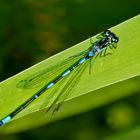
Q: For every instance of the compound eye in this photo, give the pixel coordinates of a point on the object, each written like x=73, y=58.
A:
x=115, y=39
x=107, y=33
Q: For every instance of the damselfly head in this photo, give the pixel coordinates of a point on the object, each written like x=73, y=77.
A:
x=107, y=33
x=113, y=38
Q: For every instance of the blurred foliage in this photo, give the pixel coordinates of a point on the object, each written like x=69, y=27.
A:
x=32, y=30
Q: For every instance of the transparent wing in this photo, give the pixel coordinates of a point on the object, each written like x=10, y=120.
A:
x=60, y=94
x=48, y=74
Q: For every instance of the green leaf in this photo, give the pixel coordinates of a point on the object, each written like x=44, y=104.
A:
x=93, y=90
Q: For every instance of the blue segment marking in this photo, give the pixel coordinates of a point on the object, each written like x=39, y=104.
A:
x=82, y=60
x=36, y=96
x=91, y=54
x=50, y=85
x=6, y=120
x=66, y=73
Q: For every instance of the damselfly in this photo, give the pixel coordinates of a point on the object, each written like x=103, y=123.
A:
x=76, y=63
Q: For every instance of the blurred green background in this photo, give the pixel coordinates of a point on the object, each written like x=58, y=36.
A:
x=32, y=30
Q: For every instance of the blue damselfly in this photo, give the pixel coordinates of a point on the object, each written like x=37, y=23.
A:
x=78, y=62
